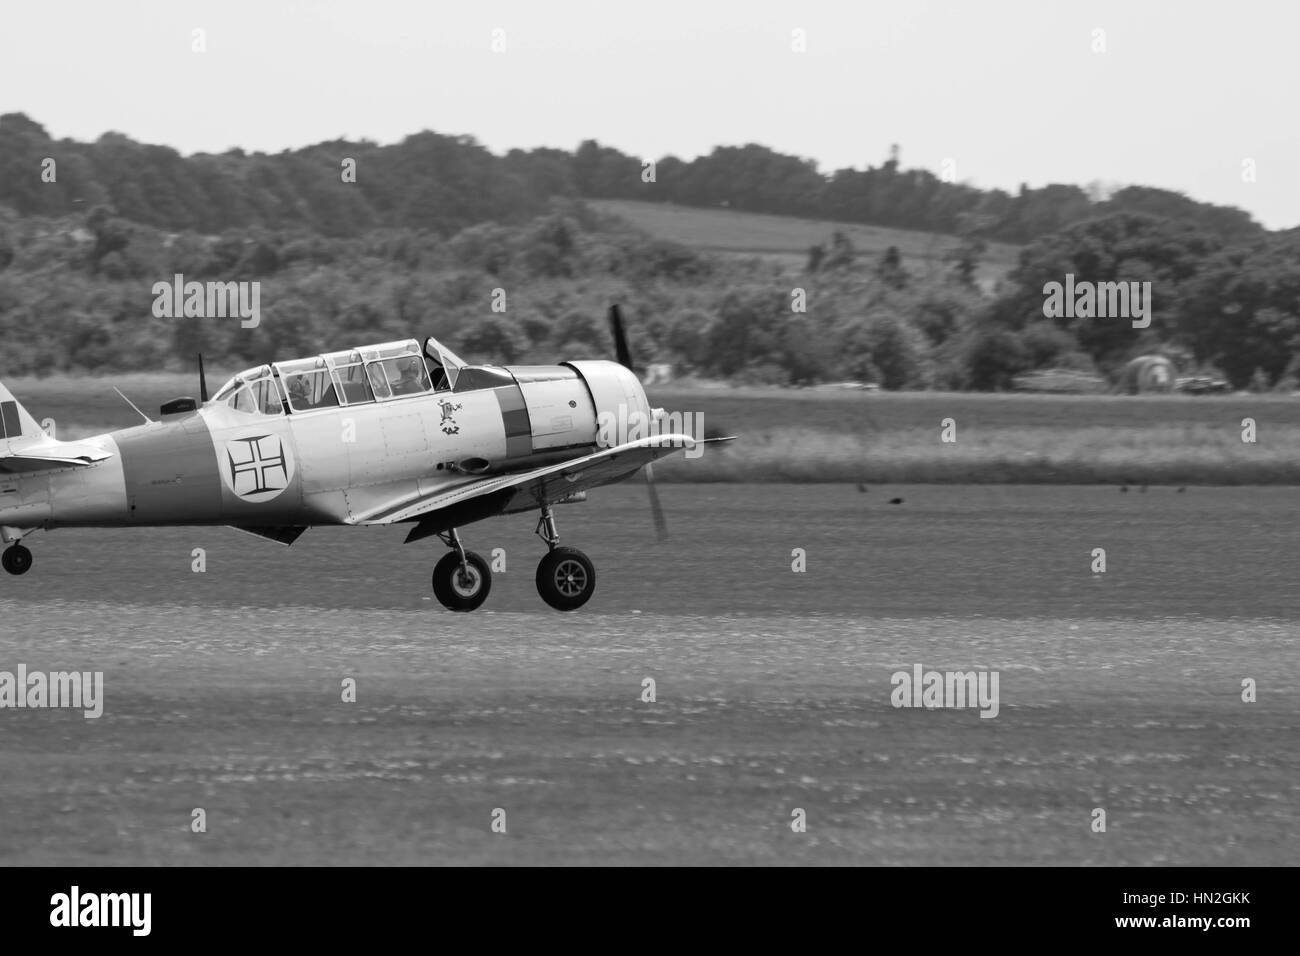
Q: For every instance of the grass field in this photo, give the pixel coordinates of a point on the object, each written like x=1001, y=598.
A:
x=788, y=435
x=1118, y=690
x=787, y=239
x=814, y=435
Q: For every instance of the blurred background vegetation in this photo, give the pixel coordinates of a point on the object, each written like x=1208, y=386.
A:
x=943, y=291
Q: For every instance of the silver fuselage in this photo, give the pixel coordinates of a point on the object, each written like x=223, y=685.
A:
x=217, y=465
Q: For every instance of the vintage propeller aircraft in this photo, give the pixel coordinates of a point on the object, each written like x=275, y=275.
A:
x=385, y=434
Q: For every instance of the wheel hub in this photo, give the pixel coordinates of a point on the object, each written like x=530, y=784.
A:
x=570, y=578
x=466, y=582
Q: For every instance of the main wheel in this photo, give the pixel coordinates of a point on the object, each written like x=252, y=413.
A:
x=566, y=579
x=16, y=559
x=461, y=589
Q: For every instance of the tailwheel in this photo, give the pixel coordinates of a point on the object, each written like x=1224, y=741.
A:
x=16, y=559
x=566, y=578
x=462, y=586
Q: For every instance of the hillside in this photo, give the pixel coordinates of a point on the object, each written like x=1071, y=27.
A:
x=446, y=183
x=786, y=239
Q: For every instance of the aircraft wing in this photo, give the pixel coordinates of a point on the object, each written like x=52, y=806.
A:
x=523, y=491
x=43, y=455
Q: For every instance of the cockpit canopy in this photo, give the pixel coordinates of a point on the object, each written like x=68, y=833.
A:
x=253, y=391
x=375, y=373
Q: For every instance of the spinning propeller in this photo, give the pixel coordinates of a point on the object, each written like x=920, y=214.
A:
x=624, y=356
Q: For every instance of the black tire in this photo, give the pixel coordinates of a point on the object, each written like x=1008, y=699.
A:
x=450, y=588
x=566, y=578
x=16, y=559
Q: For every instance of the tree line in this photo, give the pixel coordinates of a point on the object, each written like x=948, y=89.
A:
x=445, y=183
x=75, y=296
x=502, y=259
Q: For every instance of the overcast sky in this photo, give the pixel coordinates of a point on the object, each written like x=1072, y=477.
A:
x=1011, y=90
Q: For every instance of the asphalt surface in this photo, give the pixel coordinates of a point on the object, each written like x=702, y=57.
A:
x=1119, y=691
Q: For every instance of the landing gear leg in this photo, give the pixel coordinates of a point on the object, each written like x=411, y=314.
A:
x=566, y=578
x=17, y=559
x=461, y=579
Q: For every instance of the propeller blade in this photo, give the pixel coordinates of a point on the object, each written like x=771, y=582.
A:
x=203, y=382
x=656, y=509
x=621, y=351
x=624, y=356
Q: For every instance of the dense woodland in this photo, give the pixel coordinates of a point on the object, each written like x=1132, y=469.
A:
x=435, y=225
x=445, y=183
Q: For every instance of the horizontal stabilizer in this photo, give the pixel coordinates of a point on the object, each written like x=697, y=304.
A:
x=24, y=446
x=44, y=454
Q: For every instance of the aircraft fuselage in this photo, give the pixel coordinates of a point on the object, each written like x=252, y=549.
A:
x=220, y=465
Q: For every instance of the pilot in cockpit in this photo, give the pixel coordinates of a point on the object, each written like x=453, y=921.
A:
x=300, y=392
x=409, y=377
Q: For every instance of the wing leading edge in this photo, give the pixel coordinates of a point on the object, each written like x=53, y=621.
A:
x=523, y=491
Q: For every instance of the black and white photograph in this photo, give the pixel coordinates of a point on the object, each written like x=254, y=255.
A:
x=723, y=434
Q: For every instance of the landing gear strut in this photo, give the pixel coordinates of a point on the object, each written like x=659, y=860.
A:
x=461, y=579
x=566, y=578
x=17, y=559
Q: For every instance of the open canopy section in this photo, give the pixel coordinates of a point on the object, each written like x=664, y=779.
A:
x=444, y=360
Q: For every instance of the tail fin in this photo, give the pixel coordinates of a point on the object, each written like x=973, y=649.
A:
x=14, y=420
x=24, y=446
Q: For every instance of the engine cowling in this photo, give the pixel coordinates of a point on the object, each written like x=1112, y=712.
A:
x=622, y=410
x=579, y=404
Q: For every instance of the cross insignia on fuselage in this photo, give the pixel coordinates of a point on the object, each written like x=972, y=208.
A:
x=259, y=465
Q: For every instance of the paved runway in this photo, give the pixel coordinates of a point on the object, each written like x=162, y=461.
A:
x=1121, y=691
